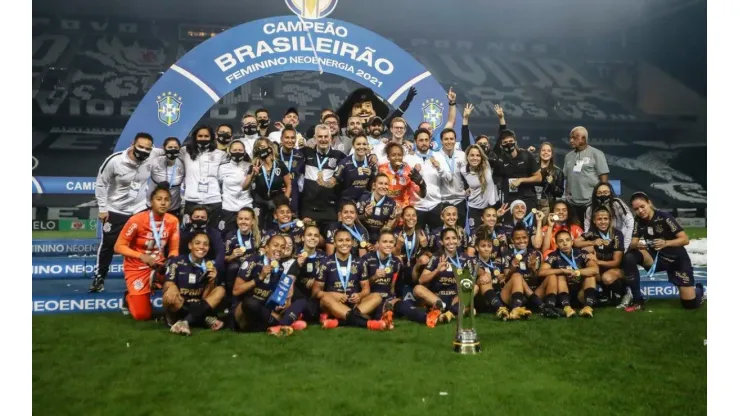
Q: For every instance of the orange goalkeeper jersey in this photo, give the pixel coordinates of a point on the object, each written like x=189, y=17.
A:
x=137, y=238
x=401, y=189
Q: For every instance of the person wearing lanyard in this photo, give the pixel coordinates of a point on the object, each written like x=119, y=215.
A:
x=604, y=246
x=235, y=178
x=411, y=247
x=293, y=160
x=172, y=171
x=480, y=191
x=264, y=287
x=437, y=288
x=348, y=222
x=532, y=220
x=145, y=241
x=604, y=195
x=273, y=180
x=377, y=210
x=240, y=244
x=518, y=171
x=191, y=292
x=489, y=227
x=435, y=172
x=284, y=224
x=407, y=183
x=663, y=248
x=522, y=265
x=453, y=189
x=449, y=221
x=354, y=173
x=584, y=168
x=216, y=250
x=489, y=284
x=202, y=159
x=575, y=274
x=553, y=180
x=382, y=268
x=310, y=269
x=561, y=218
x=343, y=290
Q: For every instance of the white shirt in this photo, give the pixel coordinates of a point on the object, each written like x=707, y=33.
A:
x=453, y=191
x=122, y=182
x=201, y=176
x=433, y=177
x=161, y=172
x=478, y=199
x=232, y=176
x=248, y=142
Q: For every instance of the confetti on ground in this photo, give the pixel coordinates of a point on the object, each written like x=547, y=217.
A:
x=443, y=393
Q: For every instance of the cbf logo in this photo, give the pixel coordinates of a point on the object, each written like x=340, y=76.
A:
x=168, y=107
x=432, y=111
x=312, y=9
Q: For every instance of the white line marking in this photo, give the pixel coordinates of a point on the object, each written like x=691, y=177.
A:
x=39, y=189
x=197, y=82
x=408, y=85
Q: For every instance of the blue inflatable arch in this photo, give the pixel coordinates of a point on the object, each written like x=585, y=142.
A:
x=196, y=82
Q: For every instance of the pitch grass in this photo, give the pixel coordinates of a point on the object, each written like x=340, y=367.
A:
x=617, y=363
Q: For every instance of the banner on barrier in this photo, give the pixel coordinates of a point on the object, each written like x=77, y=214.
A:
x=72, y=267
x=81, y=247
x=60, y=185
x=97, y=302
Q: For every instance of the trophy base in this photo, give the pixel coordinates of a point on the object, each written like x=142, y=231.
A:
x=466, y=343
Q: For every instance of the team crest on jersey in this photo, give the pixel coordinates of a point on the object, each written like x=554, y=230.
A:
x=332, y=163
x=312, y=9
x=221, y=225
x=650, y=230
x=138, y=284
x=354, y=268
x=168, y=108
x=658, y=228
x=432, y=111
x=386, y=210
x=277, y=171
x=106, y=227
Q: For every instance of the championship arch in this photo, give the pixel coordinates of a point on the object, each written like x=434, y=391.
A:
x=197, y=81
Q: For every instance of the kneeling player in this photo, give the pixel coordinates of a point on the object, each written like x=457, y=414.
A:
x=437, y=288
x=265, y=288
x=343, y=291
x=576, y=275
x=190, y=290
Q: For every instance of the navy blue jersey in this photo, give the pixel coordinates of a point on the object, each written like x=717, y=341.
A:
x=250, y=271
x=354, y=180
x=293, y=235
x=557, y=261
x=276, y=183
x=508, y=229
x=532, y=260
x=216, y=251
x=661, y=226
x=371, y=263
x=606, y=252
x=380, y=212
x=296, y=165
x=190, y=278
x=498, y=235
x=445, y=283
x=435, y=240
x=309, y=272
x=329, y=275
x=232, y=242
x=414, y=245
x=336, y=226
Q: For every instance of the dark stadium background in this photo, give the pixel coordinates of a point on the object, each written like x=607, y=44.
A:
x=642, y=66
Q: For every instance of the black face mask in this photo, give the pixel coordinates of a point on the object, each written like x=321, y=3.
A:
x=199, y=224
x=203, y=145
x=264, y=123
x=224, y=138
x=141, y=155
x=249, y=129
x=509, y=147
x=484, y=146
x=237, y=157
x=172, y=153
x=603, y=199
x=264, y=152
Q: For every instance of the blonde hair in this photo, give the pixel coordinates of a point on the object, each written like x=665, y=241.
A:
x=483, y=169
x=579, y=129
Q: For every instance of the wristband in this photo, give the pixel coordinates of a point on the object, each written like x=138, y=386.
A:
x=452, y=102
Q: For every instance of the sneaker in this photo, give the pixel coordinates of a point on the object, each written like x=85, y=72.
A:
x=432, y=317
x=323, y=317
x=700, y=288
x=280, y=331
x=214, y=323
x=387, y=315
x=626, y=299
x=97, y=285
x=520, y=313
x=181, y=328
x=446, y=317
x=586, y=312
x=329, y=323
x=299, y=325
x=569, y=311
x=376, y=325
x=550, y=312
x=634, y=307
x=124, y=306
x=502, y=313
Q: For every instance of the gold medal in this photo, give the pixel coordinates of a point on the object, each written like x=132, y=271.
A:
x=555, y=218
x=274, y=264
x=496, y=272
x=363, y=244
x=577, y=273
x=519, y=257
x=388, y=270
x=299, y=224
x=496, y=242
x=534, y=210
x=209, y=265
x=459, y=272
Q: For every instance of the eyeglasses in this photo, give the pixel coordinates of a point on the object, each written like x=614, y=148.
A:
x=331, y=123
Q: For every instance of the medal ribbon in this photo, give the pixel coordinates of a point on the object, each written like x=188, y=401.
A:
x=320, y=163
x=376, y=204
x=355, y=234
x=202, y=264
x=239, y=238
x=409, y=245
x=528, y=220
x=172, y=175
x=604, y=237
x=344, y=279
x=651, y=272
x=287, y=225
x=488, y=266
x=450, y=161
x=455, y=261
x=354, y=161
x=423, y=157
x=571, y=261
x=266, y=261
x=290, y=161
x=272, y=177
x=387, y=263
x=157, y=235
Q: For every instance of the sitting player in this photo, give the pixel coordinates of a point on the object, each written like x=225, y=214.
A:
x=308, y=272
x=522, y=266
x=437, y=288
x=144, y=239
x=382, y=269
x=449, y=220
x=190, y=291
x=411, y=244
x=285, y=225
x=489, y=283
x=348, y=222
x=377, y=210
x=199, y=223
x=241, y=244
x=576, y=276
x=560, y=219
x=663, y=249
x=258, y=280
x=343, y=291
x=495, y=232
x=532, y=222
x=604, y=244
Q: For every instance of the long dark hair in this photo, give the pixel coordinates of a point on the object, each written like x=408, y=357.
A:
x=572, y=218
x=550, y=169
x=192, y=147
x=613, y=199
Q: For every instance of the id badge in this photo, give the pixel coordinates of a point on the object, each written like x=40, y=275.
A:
x=248, y=244
x=393, y=182
x=512, y=188
x=342, y=270
x=309, y=267
x=133, y=190
x=203, y=187
x=192, y=278
x=377, y=211
x=522, y=265
x=577, y=168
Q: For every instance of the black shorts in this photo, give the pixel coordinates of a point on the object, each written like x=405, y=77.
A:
x=172, y=317
x=680, y=271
